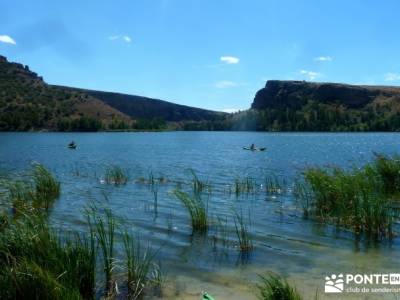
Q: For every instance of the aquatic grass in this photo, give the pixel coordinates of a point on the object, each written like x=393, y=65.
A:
x=197, y=210
x=35, y=263
x=358, y=199
x=221, y=232
x=104, y=230
x=40, y=193
x=304, y=197
x=388, y=170
x=273, y=185
x=246, y=185
x=198, y=185
x=141, y=269
x=116, y=175
x=274, y=287
x=242, y=232
x=21, y=196
x=47, y=188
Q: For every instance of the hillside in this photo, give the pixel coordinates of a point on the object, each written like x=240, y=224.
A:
x=307, y=106
x=147, y=108
x=29, y=103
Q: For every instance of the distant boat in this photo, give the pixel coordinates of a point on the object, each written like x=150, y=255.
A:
x=72, y=145
x=255, y=149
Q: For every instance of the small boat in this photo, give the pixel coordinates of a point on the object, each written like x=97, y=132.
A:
x=72, y=145
x=255, y=149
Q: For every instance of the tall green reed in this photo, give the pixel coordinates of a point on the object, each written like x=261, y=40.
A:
x=242, y=232
x=141, y=269
x=116, y=175
x=359, y=199
x=274, y=287
x=197, y=210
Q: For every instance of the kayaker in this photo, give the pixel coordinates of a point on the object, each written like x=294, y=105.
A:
x=252, y=147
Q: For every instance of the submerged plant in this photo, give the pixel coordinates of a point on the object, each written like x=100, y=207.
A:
x=141, y=269
x=198, y=185
x=104, y=230
x=273, y=185
x=197, y=210
x=358, y=199
x=47, y=188
x=39, y=193
x=274, y=287
x=116, y=175
x=242, y=232
x=246, y=185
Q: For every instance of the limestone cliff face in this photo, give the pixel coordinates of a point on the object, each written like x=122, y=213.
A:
x=294, y=94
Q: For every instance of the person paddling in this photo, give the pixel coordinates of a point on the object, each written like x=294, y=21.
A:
x=252, y=147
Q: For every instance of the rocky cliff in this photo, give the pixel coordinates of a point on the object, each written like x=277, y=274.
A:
x=295, y=94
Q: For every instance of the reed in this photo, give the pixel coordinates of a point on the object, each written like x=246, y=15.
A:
x=274, y=287
x=358, y=199
x=39, y=193
x=47, y=188
x=116, y=175
x=387, y=169
x=104, y=231
x=36, y=264
x=141, y=269
x=242, y=232
x=198, y=185
x=246, y=185
x=273, y=185
x=197, y=210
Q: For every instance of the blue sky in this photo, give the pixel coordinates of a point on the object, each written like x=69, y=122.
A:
x=207, y=53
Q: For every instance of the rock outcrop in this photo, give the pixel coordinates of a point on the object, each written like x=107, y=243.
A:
x=294, y=94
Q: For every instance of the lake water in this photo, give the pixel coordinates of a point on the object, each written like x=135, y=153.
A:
x=284, y=242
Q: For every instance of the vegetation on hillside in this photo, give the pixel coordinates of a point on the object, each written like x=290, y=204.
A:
x=28, y=103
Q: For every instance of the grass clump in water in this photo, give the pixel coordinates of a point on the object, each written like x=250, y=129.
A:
x=274, y=287
x=197, y=210
x=142, y=272
x=246, y=185
x=273, y=185
x=39, y=193
x=359, y=199
x=198, y=185
x=116, y=175
x=103, y=229
x=36, y=264
x=242, y=232
x=47, y=188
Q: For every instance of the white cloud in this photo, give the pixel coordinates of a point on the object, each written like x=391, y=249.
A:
x=323, y=58
x=127, y=39
x=230, y=110
x=392, y=76
x=311, y=75
x=7, y=39
x=230, y=59
x=124, y=38
x=224, y=84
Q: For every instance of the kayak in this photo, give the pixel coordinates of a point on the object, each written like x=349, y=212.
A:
x=255, y=149
x=72, y=146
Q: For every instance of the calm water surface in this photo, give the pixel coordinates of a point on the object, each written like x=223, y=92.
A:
x=284, y=242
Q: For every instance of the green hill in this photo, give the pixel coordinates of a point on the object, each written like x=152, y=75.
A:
x=28, y=103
